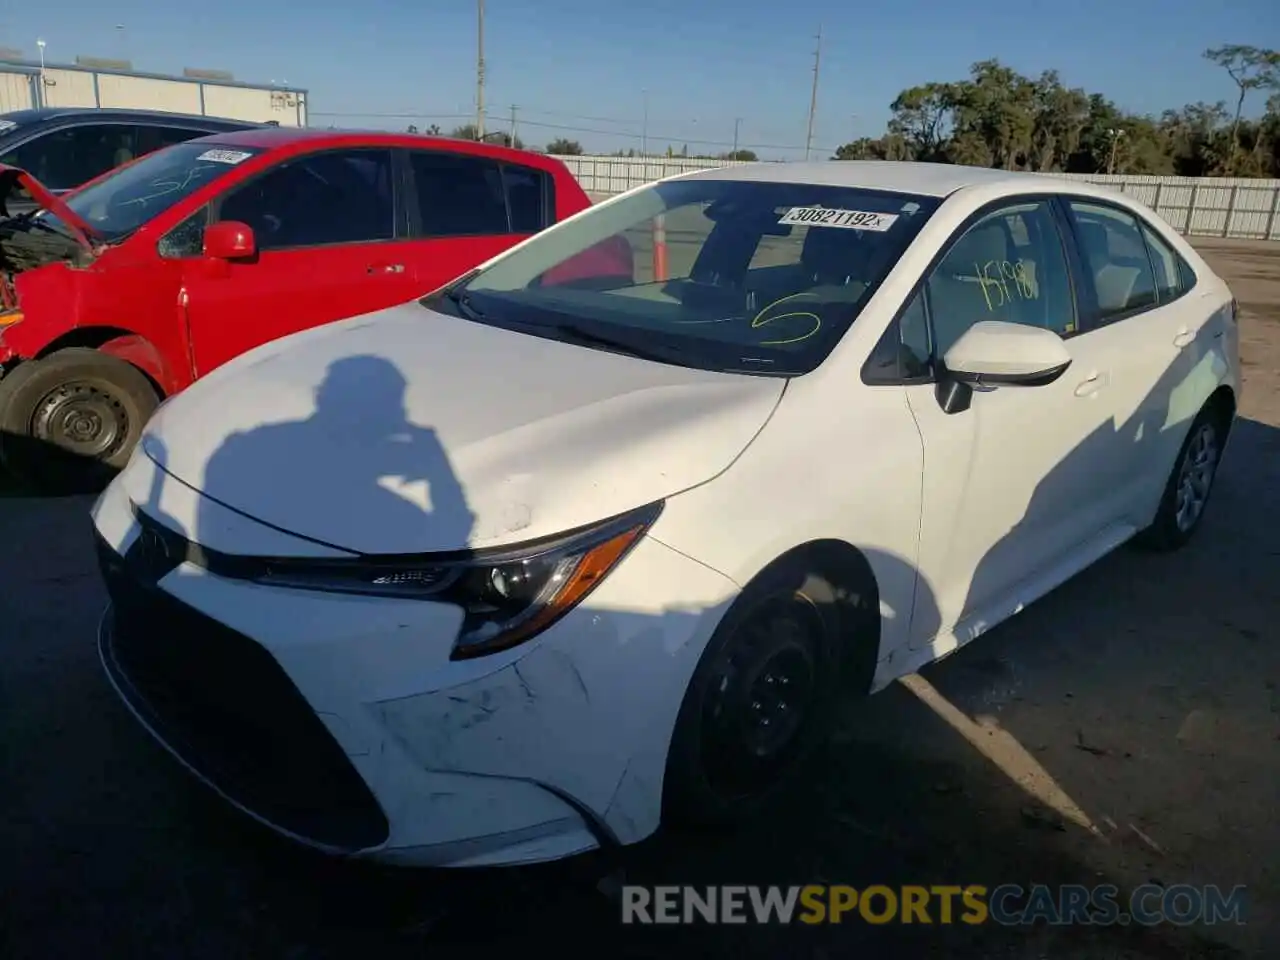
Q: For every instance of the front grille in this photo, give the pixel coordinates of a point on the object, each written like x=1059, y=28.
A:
x=222, y=703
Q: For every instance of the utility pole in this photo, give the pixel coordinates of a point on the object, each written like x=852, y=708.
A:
x=513, y=125
x=813, y=97
x=737, y=122
x=479, y=69
x=644, y=130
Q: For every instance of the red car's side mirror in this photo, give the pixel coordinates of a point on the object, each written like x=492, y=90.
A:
x=229, y=240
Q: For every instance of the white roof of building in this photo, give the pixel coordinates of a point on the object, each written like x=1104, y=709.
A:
x=925, y=179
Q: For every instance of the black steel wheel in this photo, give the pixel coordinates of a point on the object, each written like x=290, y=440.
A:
x=68, y=422
x=761, y=699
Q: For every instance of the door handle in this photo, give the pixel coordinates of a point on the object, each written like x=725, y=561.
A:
x=1092, y=384
x=385, y=268
x=1184, y=338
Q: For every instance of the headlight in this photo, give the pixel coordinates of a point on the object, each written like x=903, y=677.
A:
x=508, y=596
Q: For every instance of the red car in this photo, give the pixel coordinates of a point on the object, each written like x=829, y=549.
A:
x=126, y=290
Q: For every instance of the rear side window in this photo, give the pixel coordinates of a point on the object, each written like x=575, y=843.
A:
x=526, y=198
x=462, y=196
x=1115, y=255
x=459, y=196
x=1171, y=270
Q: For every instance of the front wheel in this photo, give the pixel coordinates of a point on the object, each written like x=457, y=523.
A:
x=70, y=421
x=759, y=703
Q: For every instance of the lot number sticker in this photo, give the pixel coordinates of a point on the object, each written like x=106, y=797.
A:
x=848, y=219
x=224, y=156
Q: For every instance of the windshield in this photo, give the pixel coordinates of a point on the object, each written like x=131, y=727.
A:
x=121, y=203
x=718, y=274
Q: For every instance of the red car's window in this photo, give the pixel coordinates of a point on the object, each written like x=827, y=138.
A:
x=341, y=196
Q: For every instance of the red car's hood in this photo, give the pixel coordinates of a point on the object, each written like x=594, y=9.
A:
x=11, y=177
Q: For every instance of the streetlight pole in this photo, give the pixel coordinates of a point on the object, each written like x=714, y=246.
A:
x=737, y=122
x=40, y=92
x=1115, y=136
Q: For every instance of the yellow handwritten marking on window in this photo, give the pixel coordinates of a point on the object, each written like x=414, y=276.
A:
x=760, y=320
x=995, y=276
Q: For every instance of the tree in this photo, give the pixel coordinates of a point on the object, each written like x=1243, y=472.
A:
x=412, y=128
x=565, y=148
x=465, y=132
x=997, y=117
x=1251, y=68
x=748, y=155
x=920, y=118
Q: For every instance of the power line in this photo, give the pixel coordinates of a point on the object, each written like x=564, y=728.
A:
x=567, y=128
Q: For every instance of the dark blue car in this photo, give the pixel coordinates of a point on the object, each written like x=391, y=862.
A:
x=63, y=147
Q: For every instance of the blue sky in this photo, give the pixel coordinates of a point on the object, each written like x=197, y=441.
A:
x=586, y=63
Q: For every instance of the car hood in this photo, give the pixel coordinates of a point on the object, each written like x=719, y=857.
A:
x=13, y=177
x=407, y=431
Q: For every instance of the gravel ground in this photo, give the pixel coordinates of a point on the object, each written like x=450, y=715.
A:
x=1122, y=730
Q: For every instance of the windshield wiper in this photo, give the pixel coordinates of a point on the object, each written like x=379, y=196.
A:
x=590, y=338
x=463, y=303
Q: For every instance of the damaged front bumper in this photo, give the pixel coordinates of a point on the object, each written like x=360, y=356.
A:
x=340, y=721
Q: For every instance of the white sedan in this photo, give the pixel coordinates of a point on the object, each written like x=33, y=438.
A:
x=599, y=535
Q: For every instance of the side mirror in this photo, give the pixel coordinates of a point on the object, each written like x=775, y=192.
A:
x=997, y=353
x=229, y=240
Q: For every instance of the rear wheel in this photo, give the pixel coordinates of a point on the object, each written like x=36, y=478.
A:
x=68, y=422
x=1187, y=491
x=760, y=701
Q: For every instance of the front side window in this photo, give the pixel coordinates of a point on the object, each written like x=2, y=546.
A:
x=117, y=205
x=66, y=158
x=1010, y=265
x=1116, y=258
x=720, y=274
x=336, y=197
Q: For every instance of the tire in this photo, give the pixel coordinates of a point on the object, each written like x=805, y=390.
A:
x=1190, y=484
x=70, y=421
x=761, y=701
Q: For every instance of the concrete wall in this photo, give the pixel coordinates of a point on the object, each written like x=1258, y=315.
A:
x=1197, y=206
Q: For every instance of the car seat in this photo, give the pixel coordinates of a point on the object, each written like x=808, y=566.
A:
x=1114, y=278
x=832, y=256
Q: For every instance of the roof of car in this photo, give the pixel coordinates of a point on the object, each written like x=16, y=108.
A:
x=924, y=179
x=41, y=114
x=269, y=138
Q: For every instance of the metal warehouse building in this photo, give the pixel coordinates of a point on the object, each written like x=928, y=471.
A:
x=92, y=82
